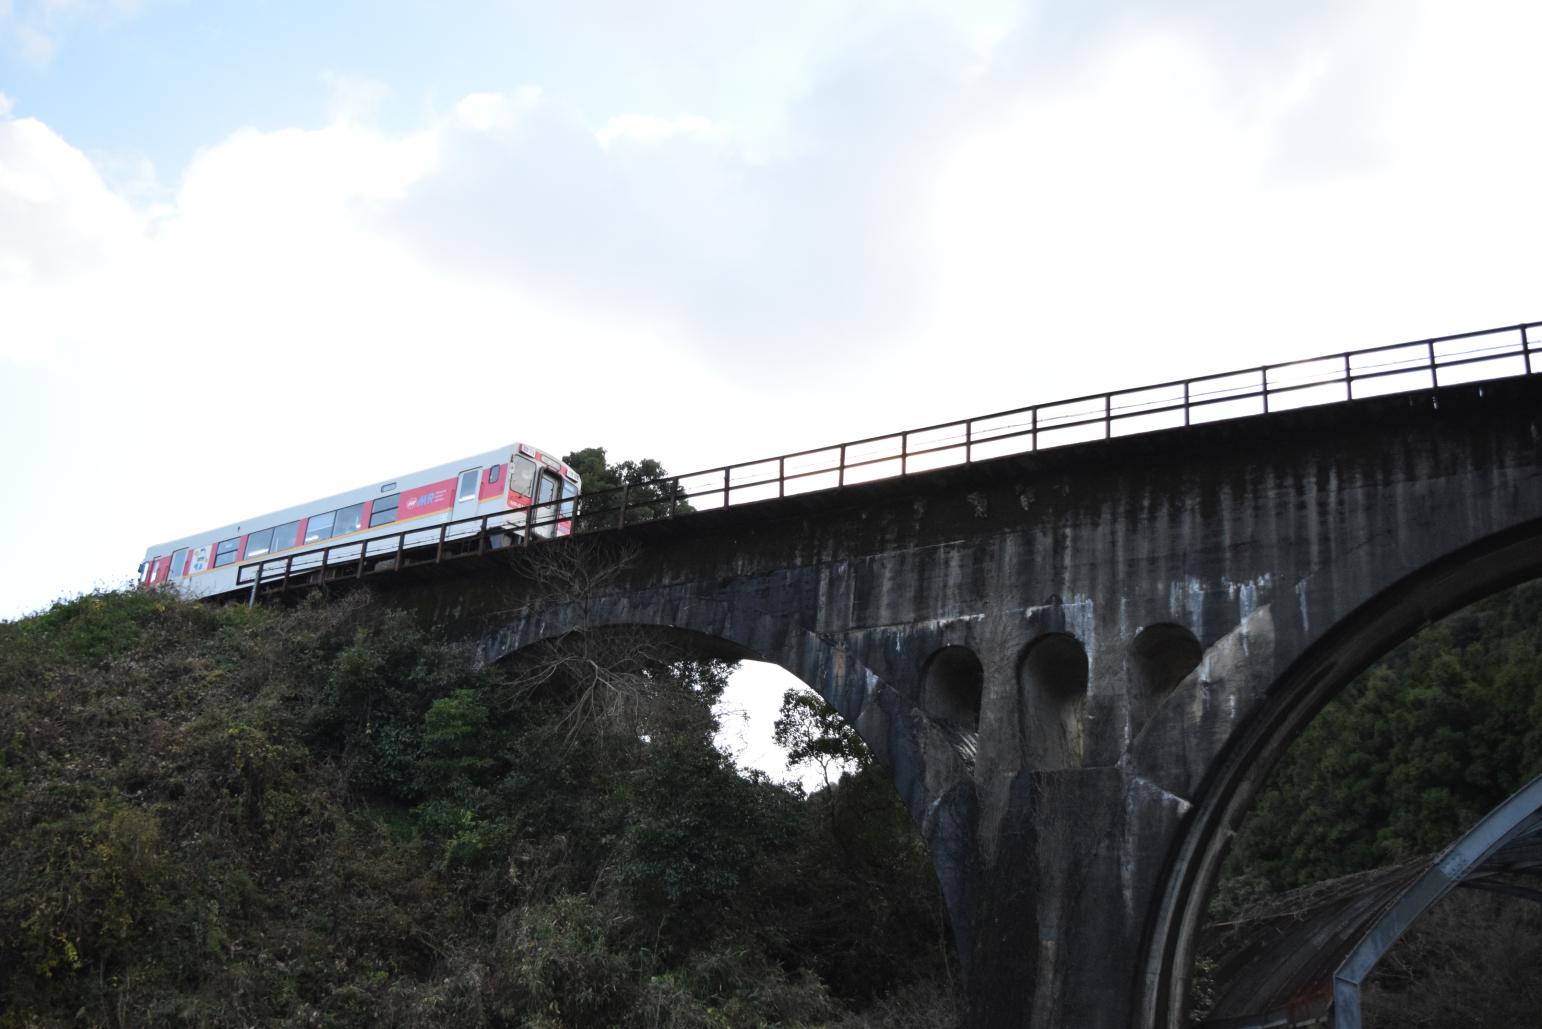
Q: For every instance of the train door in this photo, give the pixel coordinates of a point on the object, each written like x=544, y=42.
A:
x=546, y=491
x=569, y=497
x=467, y=486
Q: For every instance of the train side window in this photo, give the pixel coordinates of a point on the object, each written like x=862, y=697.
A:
x=348, y=520
x=384, y=510
x=178, y=562
x=319, y=527
x=259, y=543
x=522, y=476
x=494, y=474
x=467, y=490
x=225, y=553
x=285, y=536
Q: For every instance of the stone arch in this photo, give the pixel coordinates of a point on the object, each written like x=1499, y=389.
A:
x=1319, y=674
x=1052, y=678
x=877, y=711
x=1161, y=656
x=952, y=685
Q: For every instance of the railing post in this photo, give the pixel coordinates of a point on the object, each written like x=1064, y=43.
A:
x=904, y=453
x=1434, y=376
x=674, y=494
x=781, y=476
x=1526, y=349
x=1263, y=379
x=529, y=523
x=840, y=474
x=621, y=518
x=1349, y=379
x=1033, y=428
x=288, y=563
x=969, y=441
x=482, y=536
x=439, y=550
x=727, y=490
x=1108, y=416
x=1185, y=403
x=363, y=553
x=401, y=540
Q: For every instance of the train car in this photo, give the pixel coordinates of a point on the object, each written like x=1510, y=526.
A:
x=505, y=493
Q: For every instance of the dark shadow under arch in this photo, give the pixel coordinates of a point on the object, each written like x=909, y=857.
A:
x=1325, y=668
x=952, y=684
x=1052, y=681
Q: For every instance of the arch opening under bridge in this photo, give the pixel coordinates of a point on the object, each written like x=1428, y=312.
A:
x=1321, y=674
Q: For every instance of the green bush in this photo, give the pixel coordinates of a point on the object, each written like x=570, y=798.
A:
x=325, y=816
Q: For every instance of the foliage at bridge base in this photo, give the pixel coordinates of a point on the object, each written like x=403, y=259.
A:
x=221, y=816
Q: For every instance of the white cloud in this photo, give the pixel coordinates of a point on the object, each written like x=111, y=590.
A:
x=648, y=130
x=497, y=112
x=354, y=98
x=1151, y=203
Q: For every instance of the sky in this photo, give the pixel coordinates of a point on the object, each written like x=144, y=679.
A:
x=252, y=254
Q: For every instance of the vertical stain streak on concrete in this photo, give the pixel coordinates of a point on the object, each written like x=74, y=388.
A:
x=1081, y=622
x=1246, y=596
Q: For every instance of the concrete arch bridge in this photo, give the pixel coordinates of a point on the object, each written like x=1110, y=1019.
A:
x=1078, y=663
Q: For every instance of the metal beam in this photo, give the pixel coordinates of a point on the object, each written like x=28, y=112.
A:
x=1513, y=820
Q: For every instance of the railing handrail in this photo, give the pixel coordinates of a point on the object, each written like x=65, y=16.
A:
x=1262, y=387
x=592, y=513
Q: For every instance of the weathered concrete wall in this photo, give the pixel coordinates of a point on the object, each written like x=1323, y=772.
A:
x=1152, y=618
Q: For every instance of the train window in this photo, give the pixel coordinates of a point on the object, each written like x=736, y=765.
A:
x=225, y=553
x=467, y=490
x=521, y=476
x=494, y=474
x=286, y=535
x=259, y=543
x=569, y=491
x=384, y=510
x=178, y=562
x=319, y=527
x=348, y=520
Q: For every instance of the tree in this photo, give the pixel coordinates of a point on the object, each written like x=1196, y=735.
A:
x=650, y=493
x=1410, y=754
x=813, y=733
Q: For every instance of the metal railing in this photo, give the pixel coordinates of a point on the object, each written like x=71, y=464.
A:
x=1484, y=355
x=465, y=537
x=1349, y=375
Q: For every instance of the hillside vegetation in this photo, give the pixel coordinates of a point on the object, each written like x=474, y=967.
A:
x=1413, y=752
x=215, y=816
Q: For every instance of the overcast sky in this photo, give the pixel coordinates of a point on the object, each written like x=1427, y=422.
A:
x=252, y=254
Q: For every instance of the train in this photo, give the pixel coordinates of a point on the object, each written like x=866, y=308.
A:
x=503, y=495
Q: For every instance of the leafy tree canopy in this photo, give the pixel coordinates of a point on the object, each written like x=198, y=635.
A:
x=649, y=492
x=258, y=817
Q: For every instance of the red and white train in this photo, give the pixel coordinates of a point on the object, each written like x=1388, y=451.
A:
x=531, y=490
